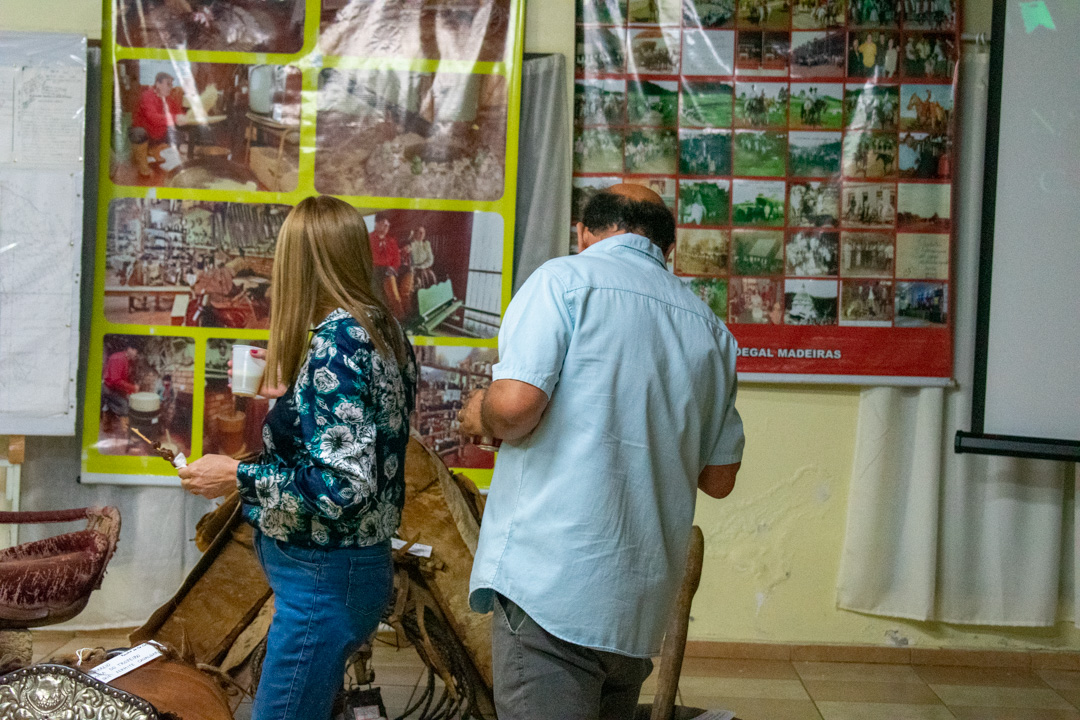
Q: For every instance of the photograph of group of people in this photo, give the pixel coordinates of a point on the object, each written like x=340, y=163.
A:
x=207, y=126
x=147, y=389
x=440, y=271
x=190, y=263
x=888, y=55
x=803, y=137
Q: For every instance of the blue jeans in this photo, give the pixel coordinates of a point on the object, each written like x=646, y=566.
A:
x=327, y=603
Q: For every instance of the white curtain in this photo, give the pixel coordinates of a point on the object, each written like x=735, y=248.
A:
x=933, y=535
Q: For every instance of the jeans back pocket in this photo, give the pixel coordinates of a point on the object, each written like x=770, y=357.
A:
x=371, y=582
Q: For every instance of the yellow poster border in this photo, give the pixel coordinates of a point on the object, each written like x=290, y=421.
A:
x=310, y=63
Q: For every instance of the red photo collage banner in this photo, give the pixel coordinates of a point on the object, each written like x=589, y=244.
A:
x=806, y=149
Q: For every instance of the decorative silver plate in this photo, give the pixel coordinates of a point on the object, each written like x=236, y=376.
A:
x=57, y=692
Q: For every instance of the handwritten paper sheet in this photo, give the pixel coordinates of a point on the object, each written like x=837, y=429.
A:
x=48, y=115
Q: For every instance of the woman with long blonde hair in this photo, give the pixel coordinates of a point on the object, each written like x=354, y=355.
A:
x=326, y=493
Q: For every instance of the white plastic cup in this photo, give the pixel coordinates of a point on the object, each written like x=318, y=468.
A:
x=247, y=371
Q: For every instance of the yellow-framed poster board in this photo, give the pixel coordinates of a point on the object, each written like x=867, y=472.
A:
x=218, y=117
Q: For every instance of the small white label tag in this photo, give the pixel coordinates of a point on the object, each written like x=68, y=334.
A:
x=125, y=662
x=417, y=549
x=367, y=713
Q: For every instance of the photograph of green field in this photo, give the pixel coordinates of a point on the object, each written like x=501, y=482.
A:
x=758, y=202
x=705, y=152
x=761, y=104
x=813, y=154
x=704, y=202
x=817, y=106
x=706, y=103
x=651, y=151
x=598, y=150
x=762, y=153
x=652, y=103
x=713, y=293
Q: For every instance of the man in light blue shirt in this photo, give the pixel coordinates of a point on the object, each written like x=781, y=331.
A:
x=615, y=398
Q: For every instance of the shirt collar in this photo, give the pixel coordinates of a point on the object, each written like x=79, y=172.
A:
x=633, y=241
x=338, y=314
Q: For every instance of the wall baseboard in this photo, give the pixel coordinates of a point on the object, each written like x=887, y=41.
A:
x=1058, y=660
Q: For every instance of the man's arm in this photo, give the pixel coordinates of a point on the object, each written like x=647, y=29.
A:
x=718, y=480
x=507, y=409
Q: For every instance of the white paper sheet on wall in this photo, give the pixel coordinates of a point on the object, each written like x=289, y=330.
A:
x=36, y=303
x=48, y=115
x=42, y=118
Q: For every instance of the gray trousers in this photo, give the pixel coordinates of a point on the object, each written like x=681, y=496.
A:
x=540, y=677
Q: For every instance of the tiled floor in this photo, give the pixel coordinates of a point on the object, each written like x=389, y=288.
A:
x=775, y=689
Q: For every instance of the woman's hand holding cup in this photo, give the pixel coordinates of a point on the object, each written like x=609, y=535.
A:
x=248, y=363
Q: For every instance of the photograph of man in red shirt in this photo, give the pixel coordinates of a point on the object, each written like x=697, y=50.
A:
x=154, y=123
x=386, y=257
x=117, y=385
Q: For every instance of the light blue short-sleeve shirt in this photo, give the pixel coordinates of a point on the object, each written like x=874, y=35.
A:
x=589, y=516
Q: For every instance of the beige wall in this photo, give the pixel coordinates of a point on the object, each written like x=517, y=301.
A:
x=773, y=546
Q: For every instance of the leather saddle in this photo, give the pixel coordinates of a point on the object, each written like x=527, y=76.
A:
x=49, y=581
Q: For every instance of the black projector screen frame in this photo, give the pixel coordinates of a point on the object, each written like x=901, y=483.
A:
x=977, y=440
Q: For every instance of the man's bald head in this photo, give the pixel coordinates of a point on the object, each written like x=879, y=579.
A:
x=637, y=193
x=627, y=208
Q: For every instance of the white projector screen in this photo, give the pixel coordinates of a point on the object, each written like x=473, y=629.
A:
x=1027, y=374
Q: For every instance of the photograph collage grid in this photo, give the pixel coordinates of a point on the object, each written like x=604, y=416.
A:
x=805, y=148
x=230, y=142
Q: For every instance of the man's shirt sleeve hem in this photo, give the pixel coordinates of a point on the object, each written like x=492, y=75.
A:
x=538, y=380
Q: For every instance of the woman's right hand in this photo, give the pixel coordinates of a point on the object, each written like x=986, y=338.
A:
x=265, y=391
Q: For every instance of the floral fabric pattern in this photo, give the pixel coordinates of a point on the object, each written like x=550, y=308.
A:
x=332, y=469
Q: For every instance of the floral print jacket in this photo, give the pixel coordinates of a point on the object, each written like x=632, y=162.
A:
x=332, y=470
